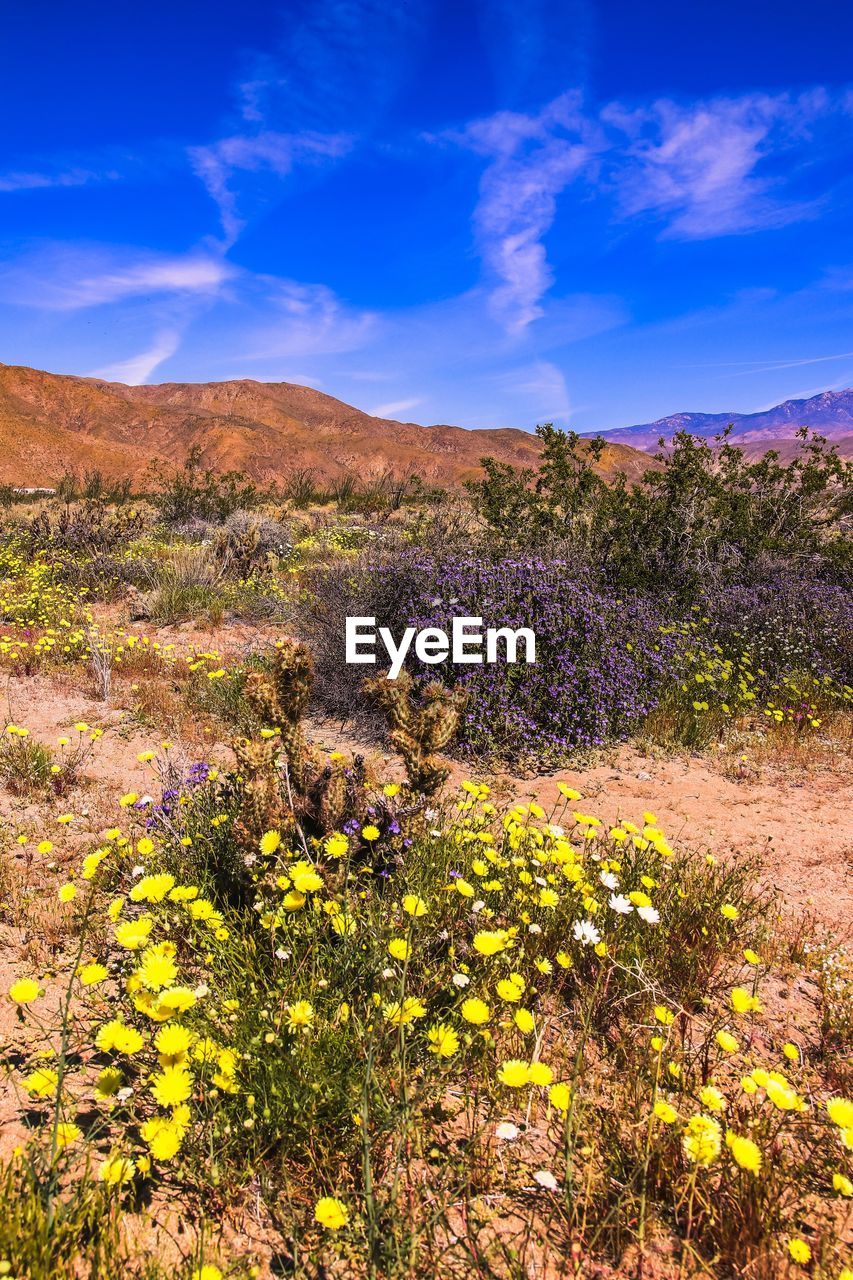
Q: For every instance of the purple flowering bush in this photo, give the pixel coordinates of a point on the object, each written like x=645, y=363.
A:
x=601, y=658
x=608, y=663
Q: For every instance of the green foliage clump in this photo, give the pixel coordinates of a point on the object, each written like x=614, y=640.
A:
x=704, y=509
x=197, y=492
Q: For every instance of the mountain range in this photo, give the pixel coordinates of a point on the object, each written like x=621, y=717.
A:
x=52, y=423
x=830, y=414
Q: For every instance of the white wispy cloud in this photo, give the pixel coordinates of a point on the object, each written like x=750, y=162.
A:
x=395, y=407
x=67, y=277
x=28, y=180
x=756, y=366
x=298, y=320
x=265, y=152
x=803, y=393
x=532, y=159
x=310, y=98
x=701, y=167
x=138, y=369
x=338, y=64
x=543, y=386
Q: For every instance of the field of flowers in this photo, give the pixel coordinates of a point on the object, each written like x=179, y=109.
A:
x=280, y=1012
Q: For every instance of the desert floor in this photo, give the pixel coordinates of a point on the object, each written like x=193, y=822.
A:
x=794, y=815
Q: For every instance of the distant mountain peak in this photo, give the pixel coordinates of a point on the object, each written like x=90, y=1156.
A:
x=830, y=413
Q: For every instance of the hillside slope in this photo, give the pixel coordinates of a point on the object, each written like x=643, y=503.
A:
x=50, y=423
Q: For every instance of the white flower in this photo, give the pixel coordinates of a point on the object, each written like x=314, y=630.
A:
x=608, y=879
x=124, y=1094
x=281, y=954
x=477, y=906
x=618, y=902
x=545, y=1179
x=649, y=914
x=201, y=991
x=387, y=974
x=506, y=1131
x=460, y=980
x=586, y=933
x=555, y=829
x=534, y=928
x=137, y=872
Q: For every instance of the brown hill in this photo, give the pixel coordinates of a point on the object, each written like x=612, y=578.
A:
x=51, y=423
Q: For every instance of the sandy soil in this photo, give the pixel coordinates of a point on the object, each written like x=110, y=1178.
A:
x=799, y=824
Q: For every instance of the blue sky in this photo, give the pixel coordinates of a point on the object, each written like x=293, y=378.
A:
x=485, y=212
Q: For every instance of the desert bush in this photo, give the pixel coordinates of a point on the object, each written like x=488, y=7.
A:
x=32, y=593
x=61, y=1222
x=272, y=536
x=86, y=530
x=302, y=487
x=196, y=492
x=703, y=511
x=385, y=492
x=93, y=486
x=205, y=580
x=88, y=548
x=243, y=533
x=831, y=963
x=342, y=490
x=444, y=524
x=218, y=690
x=600, y=658
x=720, y=678
x=328, y=541
x=28, y=767
x=104, y=576
x=788, y=619
x=187, y=585
x=608, y=664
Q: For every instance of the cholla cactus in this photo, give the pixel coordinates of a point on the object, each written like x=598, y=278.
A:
x=419, y=729
x=241, y=550
x=281, y=697
x=285, y=779
x=262, y=807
